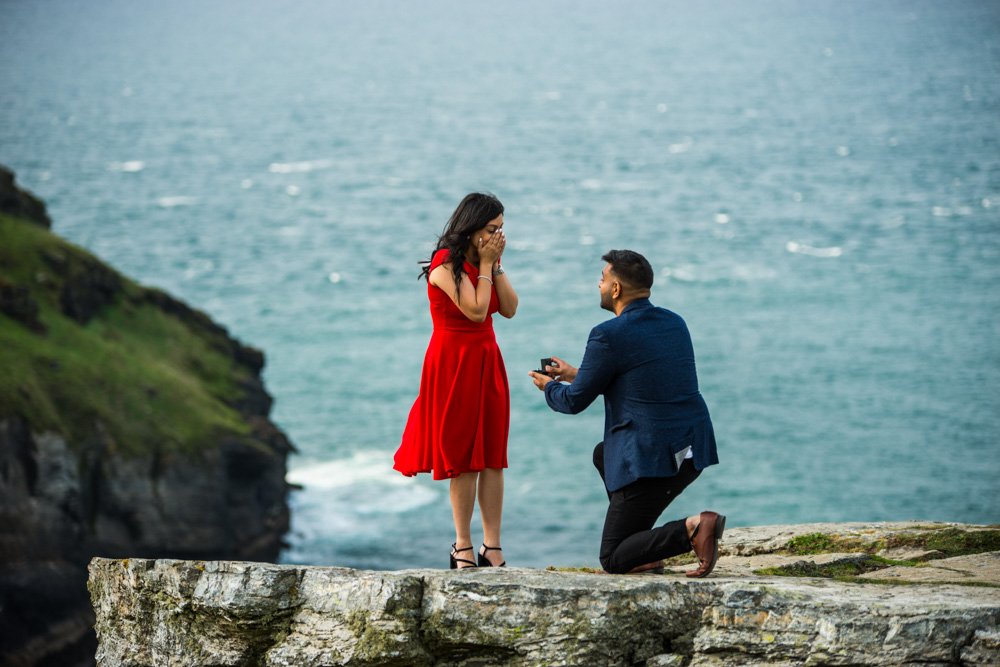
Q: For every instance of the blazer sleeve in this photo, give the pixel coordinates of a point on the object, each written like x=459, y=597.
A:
x=594, y=375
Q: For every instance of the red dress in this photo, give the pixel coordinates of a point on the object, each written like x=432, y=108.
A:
x=460, y=420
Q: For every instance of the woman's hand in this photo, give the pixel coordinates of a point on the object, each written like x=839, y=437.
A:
x=491, y=249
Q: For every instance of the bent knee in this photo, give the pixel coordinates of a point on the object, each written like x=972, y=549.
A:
x=611, y=564
x=606, y=564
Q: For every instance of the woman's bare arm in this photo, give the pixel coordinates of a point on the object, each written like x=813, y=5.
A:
x=472, y=300
x=506, y=295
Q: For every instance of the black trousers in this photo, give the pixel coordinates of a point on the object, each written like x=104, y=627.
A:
x=629, y=538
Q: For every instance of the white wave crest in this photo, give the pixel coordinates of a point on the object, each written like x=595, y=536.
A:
x=129, y=166
x=813, y=251
x=362, y=484
x=684, y=274
x=173, y=202
x=360, y=467
x=299, y=167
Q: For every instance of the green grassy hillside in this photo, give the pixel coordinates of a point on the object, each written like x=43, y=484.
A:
x=135, y=372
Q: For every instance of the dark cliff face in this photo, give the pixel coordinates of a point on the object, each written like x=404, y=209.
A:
x=19, y=202
x=130, y=425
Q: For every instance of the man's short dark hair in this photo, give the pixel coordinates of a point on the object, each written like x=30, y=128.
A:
x=631, y=267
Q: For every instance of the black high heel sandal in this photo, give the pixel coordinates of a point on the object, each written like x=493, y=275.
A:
x=455, y=561
x=484, y=561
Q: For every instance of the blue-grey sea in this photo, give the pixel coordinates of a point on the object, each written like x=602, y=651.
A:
x=817, y=186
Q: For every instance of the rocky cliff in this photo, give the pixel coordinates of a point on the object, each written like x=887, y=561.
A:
x=815, y=595
x=130, y=425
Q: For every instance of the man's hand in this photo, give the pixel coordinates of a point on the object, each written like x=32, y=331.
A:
x=561, y=371
x=557, y=371
x=540, y=379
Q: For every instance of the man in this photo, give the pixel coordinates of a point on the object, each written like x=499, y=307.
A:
x=658, y=435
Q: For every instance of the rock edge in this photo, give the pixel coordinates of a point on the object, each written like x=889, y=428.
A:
x=169, y=612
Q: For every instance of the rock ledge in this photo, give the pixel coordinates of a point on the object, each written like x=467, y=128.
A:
x=169, y=612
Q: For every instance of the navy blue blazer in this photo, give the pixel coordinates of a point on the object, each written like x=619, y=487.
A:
x=643, y=363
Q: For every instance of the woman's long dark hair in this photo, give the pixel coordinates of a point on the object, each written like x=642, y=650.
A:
x=474, y=212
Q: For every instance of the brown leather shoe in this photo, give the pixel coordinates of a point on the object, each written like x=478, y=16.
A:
x=705, y=543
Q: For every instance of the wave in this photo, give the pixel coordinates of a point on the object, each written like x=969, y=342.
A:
x=362, y=484
x=173, y=202
x=299, y=167
x=129, y=166
x=743, y=273
x=337, y=473
x=813, y=251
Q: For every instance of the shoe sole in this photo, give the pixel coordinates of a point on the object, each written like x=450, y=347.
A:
x=720, y=527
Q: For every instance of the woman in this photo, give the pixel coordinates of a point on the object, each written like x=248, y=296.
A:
x=458, y=425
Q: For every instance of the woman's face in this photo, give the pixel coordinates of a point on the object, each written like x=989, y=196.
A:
x=487, y=232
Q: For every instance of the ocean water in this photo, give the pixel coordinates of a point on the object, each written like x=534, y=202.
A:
x=817, y=186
